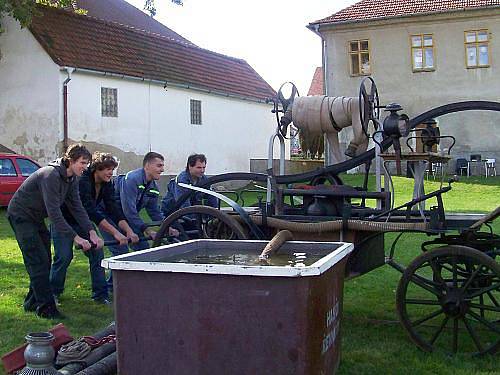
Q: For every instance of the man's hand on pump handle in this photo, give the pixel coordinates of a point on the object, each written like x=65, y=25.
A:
x=152, y=234
x=94, y=241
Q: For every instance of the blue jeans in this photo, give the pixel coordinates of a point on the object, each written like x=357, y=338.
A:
x=63, y=254
x=122, y=249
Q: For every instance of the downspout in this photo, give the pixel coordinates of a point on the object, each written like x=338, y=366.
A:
x=328, y=155
x=69, y=71
x=315, y=29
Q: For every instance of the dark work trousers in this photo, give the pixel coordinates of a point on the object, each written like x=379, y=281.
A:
x=63, y=254
x=34, y=242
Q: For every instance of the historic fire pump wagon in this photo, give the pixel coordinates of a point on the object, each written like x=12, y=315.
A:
x=448, y=298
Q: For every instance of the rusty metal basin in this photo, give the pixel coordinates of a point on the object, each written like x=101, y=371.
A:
x=175, y=317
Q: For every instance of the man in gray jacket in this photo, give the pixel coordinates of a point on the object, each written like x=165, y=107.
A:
x=40, y=196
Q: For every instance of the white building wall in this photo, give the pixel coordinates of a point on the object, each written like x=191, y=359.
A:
x=476, y=132
x=30, y=119
x=152, y=118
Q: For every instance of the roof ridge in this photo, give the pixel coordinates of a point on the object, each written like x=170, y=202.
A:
x=349, y=13
x=142, y=31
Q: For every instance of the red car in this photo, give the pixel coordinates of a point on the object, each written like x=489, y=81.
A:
x=14, y=169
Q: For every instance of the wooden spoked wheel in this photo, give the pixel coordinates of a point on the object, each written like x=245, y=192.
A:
x=449, y=299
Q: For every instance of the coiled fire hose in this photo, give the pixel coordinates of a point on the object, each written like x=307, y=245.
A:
x=75, y=351
x=78, y=350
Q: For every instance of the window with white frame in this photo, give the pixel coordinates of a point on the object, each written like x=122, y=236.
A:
x=195, y=112
x=477, y=49
x=422, y=52
x=359, y=57
x=109, y=102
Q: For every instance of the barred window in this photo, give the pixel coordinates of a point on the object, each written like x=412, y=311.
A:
x=422, y=52
x=477, y=49
x=359, y=57
x=109, y=102
x=195, y=112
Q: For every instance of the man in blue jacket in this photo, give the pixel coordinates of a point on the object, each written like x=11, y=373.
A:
x=194, y=174
x=137, y=190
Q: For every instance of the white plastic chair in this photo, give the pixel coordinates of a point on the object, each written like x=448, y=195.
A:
x=435, y=170
x=490, y=167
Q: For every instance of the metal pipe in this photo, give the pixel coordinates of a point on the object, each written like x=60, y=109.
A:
x=106, y=366
x=69, y=71
x=328, y=160
x=94, y=356
x=270, y=161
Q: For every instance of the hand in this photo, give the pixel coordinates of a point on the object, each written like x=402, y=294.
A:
x=172, y=232
x=96, y=240
x=132, y=236
x=150, y=233
x=82, y=243
x=122, y=240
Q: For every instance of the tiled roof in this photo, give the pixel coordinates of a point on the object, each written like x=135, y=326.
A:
x=375, y=9
x=317, y=83
x=87, y=43
x=122, y=12
x=5, y=150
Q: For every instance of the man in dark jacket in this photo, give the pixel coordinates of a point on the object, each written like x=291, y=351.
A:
x=97, y=196
x=194, y=174
x=40, y=196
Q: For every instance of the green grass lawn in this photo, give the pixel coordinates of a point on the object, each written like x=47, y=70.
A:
x=372, y=339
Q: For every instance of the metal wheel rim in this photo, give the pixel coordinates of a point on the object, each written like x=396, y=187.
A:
x=368, y=104
x=223, y=218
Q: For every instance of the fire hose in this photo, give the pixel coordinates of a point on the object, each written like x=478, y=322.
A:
x=96, y=354
x=338, y=225
x=279, y=239
x=329, y=115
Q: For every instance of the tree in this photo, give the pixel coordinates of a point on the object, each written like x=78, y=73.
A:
x=149, y=6
x=23, y=10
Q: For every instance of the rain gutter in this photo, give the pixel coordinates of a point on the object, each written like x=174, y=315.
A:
x=167, y=84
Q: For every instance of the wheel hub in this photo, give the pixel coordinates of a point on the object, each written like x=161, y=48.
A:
x=453, y=303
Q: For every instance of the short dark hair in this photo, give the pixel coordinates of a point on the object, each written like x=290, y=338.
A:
x=150, y=156
x=102, y=160
x=193, y=158
x=77, y=151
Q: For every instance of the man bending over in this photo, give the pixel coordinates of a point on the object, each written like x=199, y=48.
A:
x=40, y=196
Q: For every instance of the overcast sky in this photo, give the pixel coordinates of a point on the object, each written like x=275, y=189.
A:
x=271, y=35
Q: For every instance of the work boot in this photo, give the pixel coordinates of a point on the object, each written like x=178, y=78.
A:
x=30, y=303
x=49, y=311
x=30, y=306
